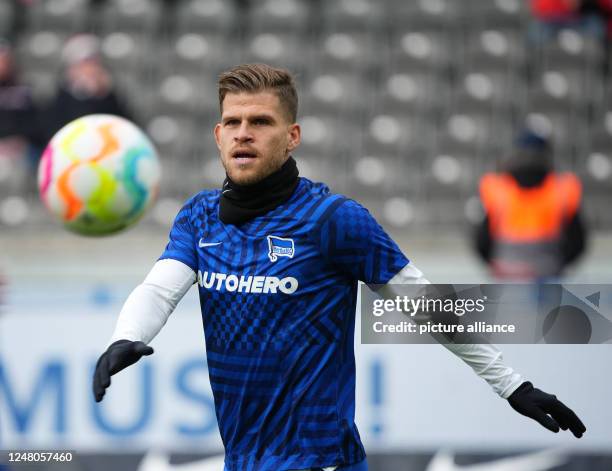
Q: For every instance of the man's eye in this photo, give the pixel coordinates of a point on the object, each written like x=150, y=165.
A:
x=261, y=122
x=232, y=122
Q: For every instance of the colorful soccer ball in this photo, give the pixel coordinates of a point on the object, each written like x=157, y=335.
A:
x=99, y=174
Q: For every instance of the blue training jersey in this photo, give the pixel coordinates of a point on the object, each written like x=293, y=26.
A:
x=278, y=297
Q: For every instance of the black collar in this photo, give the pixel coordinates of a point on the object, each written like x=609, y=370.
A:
x=241, y=203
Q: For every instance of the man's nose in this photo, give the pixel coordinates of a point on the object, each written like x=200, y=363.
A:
x=244, y=133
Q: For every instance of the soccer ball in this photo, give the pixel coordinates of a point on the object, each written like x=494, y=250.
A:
x=98, y=174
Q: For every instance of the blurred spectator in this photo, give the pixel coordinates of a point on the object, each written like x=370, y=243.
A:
x=551, y=16
x=86, y=86
x=19, y=138
x=602, y=8
x=532, y=227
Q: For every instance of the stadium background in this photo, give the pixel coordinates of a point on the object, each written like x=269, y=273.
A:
x=403, y=106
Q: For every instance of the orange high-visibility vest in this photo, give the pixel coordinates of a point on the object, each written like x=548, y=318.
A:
x=536, y=214
x=526, y=224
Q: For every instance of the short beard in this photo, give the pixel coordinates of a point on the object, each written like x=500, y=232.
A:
x=252, y=178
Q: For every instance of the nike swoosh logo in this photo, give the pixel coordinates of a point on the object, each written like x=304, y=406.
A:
x=539, y=461
x=208, y=244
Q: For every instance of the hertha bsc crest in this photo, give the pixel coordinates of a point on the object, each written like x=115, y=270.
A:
x=279, y=247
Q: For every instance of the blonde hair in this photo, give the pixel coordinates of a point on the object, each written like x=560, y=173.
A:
x=253, y=78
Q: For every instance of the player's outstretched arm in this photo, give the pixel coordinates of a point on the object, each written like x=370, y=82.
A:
x=487, y=362
x=143, y=315
x=376, y=260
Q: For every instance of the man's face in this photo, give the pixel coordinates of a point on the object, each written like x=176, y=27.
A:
x=255, y=136
x=90, y=77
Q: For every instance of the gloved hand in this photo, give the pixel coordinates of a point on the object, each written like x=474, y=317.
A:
x=546, y=409
x=118, y=356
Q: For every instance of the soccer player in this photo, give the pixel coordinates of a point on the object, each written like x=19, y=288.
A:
x=277, y=259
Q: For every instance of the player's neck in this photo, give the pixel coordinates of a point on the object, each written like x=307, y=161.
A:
x=241, y=203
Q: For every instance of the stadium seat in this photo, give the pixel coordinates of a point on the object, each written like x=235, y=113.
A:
x=554, y=118
x=451, y=175
x=399, y=133
x=576, y=57
x=352, y=15
x=14, y=175
x=441, y=15
x=343, y=94
x=17, y=210
x=378, y=175
x=188, y=95
x=7, y=19
x=493, y=87
x=498, y=13
x=601, y=125
x=412, y=90
x=331, y=169
x=280, y=49
x=129, y=52
x=327, y=136
x=280, y=16
x=41, y=50
x=449, y=181
x=411, y=151
x=474, y=131
x=67, y=16
x=594, y=162
x=422, y=50
x=571, y=85
x=495, y=47
x=478, y=131
x=137, y=16
x=447, y=214
x=197, y=53
x=595, y=166
x=499, y=139
x=344, y=51
x=371, y=175
x=175, y=138
x=44, y=82
x=202, y=157
x=401, y=209
x=569, y=46
x=139, y=92
x=206, y=16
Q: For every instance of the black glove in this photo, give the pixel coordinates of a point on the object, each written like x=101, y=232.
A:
x=118, y=356
x=546, y=409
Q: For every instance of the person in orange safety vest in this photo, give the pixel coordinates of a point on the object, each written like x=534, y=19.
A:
x=532, y=227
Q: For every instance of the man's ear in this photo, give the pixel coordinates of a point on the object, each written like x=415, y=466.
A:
x=295, y=137
x=217, y=132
